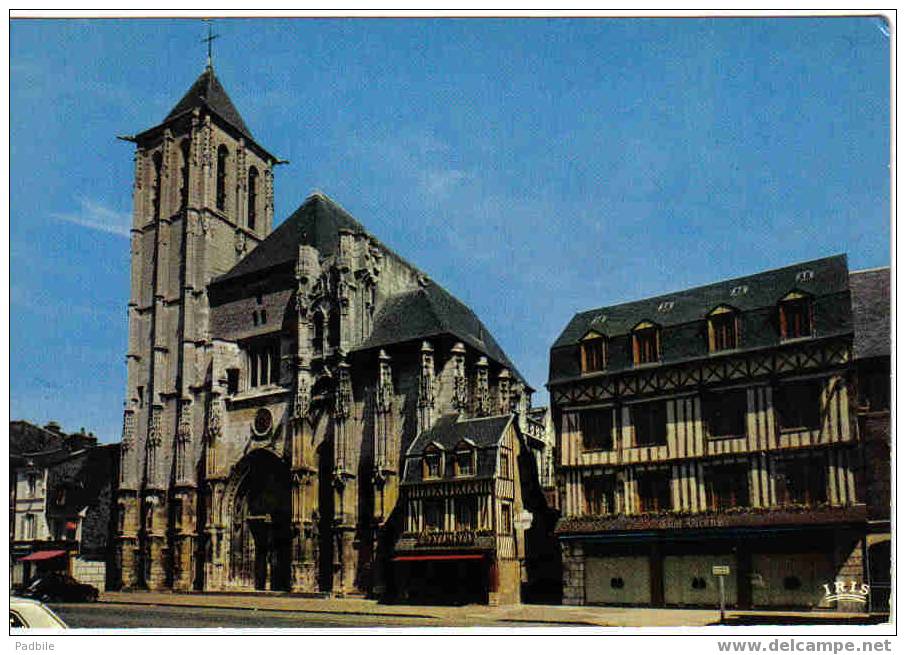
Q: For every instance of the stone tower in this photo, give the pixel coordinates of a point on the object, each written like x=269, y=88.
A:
x=203, y=198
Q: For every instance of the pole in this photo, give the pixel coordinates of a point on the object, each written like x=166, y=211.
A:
x=722, y=598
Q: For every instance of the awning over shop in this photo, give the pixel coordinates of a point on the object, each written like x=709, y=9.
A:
x=434, y=558
x=42, y=555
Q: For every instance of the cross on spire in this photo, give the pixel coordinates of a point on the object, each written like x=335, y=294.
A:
x=209, y=39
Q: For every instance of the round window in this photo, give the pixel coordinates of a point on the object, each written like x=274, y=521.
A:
x=617, y=583
x=263, y=422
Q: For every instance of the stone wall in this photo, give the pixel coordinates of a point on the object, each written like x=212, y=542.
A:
x=573, y=559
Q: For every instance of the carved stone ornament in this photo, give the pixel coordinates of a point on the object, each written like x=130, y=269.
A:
x=302, y=403
x=215, y=420
x=343, y=393
x=128, y=430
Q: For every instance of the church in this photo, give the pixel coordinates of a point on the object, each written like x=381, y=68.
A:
x=284, y=386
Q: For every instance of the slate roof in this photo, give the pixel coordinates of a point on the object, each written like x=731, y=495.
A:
x=431, y=311
x=829, y=275
x=448, y=431
x=870, y=292
x=315, y=223
x=425, y=312
x=208, y=92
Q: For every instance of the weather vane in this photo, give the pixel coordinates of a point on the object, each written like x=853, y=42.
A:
x=210, y=40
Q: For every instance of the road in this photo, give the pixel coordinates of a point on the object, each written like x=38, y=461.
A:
x=109, y=615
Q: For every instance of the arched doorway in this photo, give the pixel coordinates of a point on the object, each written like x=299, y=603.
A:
x=260, y=531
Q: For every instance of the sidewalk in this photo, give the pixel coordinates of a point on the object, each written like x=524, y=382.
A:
x=478, y=615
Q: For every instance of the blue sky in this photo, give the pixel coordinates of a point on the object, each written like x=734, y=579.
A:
x=533, y=167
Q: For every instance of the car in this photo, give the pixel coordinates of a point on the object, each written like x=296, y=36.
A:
x=60, y=587
x=28, y=613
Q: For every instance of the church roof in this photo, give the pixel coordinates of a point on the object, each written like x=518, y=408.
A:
x=425, y=312
x=431, y=311
x=315, y=223
x=208, y=92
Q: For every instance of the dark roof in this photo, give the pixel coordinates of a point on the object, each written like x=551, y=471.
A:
x=316, y=223
x=448, y=431
x=870, y=291
x=829, y=275
x=208, y=92
x=430, y=311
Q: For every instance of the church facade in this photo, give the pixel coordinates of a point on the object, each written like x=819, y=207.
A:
x=277, y=377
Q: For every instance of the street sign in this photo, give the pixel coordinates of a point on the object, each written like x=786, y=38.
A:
x=720, y=570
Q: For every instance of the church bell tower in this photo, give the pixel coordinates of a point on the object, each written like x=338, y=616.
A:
x=203, y=198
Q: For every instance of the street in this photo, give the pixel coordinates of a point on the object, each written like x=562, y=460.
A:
x=111, y=615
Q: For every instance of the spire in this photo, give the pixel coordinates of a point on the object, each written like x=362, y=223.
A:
x=207, y=92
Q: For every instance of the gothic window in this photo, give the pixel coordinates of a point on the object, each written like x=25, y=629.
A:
x=654, y=491
x=727, y=486
x=222, y=154
x=649, y=422
x=723, y=330
x=597, y=429
x=798, y=405
x=317, y=340
x=157, y=160
x=646, y=343
x=725, y=413
x=600, y=495
x=253, y=197
x=184, y=177
x=264, y=362
x=592, y=352
x=795, y=316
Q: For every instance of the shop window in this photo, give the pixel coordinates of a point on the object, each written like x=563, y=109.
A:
x=646, y=343
x=727, y=486
x=597, y=429
x=798, y=405
x=795, y=316
x=725, y=413
x=654, y=491
x=617, y=583
x=28, y=526
x=792, y=583
x=592, y=353
x=723, y=330
x=649, y=423
x=600, y=495
x=801, y=480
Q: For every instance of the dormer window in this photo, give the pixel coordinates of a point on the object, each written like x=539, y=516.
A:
x=646, y=343
x=432, y=463
x=723, y=329
x=795, y=316
x=592, y=352
x=464, y=459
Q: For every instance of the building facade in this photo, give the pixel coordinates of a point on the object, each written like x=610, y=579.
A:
x=718, y=426
x=276, y=377
x=62, y=488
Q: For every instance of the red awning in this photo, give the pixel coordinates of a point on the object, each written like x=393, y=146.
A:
x=42, y=555
x=426, y=558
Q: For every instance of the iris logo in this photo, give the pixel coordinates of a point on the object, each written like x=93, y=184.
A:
x=846, y=590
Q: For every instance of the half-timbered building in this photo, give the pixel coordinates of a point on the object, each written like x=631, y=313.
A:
x=712, y=426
